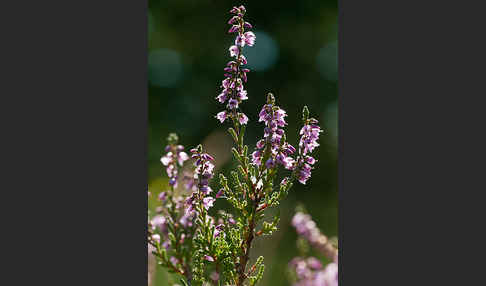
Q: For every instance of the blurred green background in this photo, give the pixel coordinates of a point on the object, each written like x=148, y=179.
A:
x=295, y=58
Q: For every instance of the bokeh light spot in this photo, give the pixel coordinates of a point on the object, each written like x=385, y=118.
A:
x=164, y=67
x=264, y=54
x=327, y=61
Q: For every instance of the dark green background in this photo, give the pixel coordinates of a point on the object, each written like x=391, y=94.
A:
x=295, y=57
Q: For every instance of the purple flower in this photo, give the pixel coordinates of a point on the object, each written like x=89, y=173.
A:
x=223, y=96
x=226, y=83
x=328, y=277
x=221, y=116
x=242, y=95
x=174, y=260
x=273, y=117
x=235, y=74
x=156, y=237
x=314, y=263
x=242, y=118
x=173, y=181
x=243, y=60
x=208, y=202
x=249, y=38
x=270, y=163
x=166, y=244
x=160, y=223
x=233, y=20
x=240, y=40
x=218, y=229
x=257, y=157
x=233, y=29
x=310, y=135
x=233, y=103
x=306, y=228
x=186, y=219
x=174, y=156
x=208, y=258
x=310, y=160
x=234, y=51
x=304, y=173
x=220, y=193
x=308, y=142
x=162, y=196
x=166, y=159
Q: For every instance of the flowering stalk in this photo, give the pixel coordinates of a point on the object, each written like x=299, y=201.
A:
x=253, y=190
x=233, y=89
x=310, y=271
x=307, y=229
x=217, y=249
x=171, y=230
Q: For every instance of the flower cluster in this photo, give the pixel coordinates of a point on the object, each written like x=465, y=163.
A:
x=174, y=156
x=306, y=228
x=308, y=142
x=310, y=272
x=233, y=90
x=203, y=173
x=202, y=249
x=171, y=230
x=274, y=137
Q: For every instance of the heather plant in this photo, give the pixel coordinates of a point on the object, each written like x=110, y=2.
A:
x=208, y=247
x=309, y=270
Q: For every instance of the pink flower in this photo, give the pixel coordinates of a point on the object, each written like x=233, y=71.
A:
x=242, y=118
x=242, y=95
x=249, y=38
x=240, y=40
x=234, y=51
x=166, y=159
x=208, y=202
x=233, y=29
x=208, y=258
x=220, y=193
x=182, y=157
x=233, y=20
x=156, y=237
x=221, y=116
x=222, y=97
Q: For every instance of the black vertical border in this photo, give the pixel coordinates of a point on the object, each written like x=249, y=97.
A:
x=74, y=100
